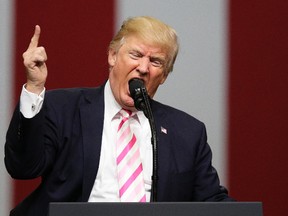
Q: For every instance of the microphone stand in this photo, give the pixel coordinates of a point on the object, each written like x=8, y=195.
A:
x=148, y=113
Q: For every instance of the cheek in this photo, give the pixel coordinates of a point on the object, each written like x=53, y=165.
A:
x=152, y=88
x=116, y=72
x=122, y=67
x=118, y=78
x=154, y=83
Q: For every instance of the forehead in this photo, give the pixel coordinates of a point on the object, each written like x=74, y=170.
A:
x=133, y=43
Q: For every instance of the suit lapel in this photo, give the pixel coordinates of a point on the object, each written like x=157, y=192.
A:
x=92, y=115
x=166, y=163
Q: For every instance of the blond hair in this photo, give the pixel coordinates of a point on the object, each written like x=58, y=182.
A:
x=151, y=30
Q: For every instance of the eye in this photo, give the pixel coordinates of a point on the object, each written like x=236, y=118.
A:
x=157, y=62
x=135, y=55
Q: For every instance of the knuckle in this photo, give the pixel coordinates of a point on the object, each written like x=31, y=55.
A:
x=41, y=49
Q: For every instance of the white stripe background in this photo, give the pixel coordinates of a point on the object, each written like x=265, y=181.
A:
x=6, y=95
x=197, y=85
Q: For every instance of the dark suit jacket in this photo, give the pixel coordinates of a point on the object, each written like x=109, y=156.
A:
x=62, y=145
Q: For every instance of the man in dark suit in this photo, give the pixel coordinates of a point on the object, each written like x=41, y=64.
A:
x=68, y=136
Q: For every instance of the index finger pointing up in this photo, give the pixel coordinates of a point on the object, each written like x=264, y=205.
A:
x=35, y=38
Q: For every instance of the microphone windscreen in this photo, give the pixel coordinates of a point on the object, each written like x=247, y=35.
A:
x=135, y=84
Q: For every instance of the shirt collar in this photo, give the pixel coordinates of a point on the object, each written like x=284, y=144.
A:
x=112, y=107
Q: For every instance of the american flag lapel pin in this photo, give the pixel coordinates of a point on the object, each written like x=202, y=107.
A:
x=163, y=130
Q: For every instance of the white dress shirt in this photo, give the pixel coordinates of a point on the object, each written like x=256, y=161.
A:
x=30, y=103
x=105, y=188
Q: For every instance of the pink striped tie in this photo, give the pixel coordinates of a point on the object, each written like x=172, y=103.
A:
x=129, y=166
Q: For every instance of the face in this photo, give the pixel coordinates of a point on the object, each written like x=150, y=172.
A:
x=136, y=59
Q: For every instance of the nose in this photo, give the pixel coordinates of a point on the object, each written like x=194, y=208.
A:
x=143, y=66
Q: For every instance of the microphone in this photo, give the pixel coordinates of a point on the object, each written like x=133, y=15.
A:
x=137, y=91
x=142, y=102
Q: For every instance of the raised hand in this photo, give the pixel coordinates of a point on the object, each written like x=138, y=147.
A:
x=34, y=59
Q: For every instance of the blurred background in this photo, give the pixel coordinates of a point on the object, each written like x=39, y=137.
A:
x=231, y=73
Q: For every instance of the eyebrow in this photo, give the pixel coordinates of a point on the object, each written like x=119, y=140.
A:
x=135, y=51
x=157, y=58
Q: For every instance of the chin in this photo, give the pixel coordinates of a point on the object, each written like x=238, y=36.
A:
x=128, y=102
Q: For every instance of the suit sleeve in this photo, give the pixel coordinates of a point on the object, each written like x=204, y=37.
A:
x=29, y=151
x=207, y=184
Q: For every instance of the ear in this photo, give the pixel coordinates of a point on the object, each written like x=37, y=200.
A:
x=112, y=55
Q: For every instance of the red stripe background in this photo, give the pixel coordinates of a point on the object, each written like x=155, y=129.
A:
x=258, y=104
x=75, y=35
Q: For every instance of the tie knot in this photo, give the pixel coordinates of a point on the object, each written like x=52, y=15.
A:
x=125, y=113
